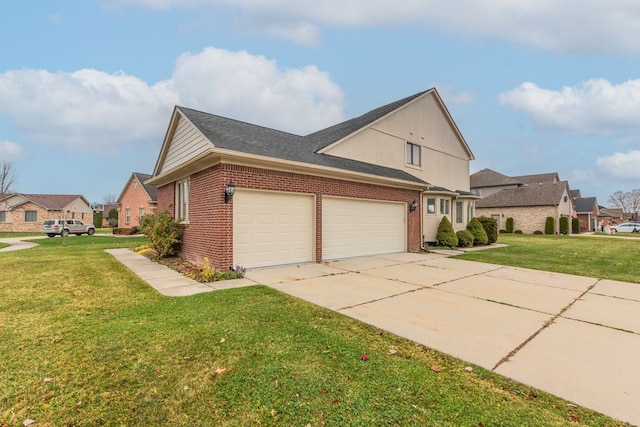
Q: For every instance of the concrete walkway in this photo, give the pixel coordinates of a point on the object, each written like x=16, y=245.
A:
x=18, y=243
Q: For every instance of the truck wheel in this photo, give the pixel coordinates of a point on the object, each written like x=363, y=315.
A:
x=91, y=231
x=65, y=233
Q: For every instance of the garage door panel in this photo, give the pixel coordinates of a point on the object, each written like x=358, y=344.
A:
x=272, y=228
x=354, y=227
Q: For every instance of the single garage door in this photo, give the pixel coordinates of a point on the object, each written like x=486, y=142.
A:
x=271, y=228
x=355, y=227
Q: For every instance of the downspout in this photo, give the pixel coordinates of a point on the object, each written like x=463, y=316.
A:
x=422, y=247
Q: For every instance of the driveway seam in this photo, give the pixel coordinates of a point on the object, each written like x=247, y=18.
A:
x=547, y=324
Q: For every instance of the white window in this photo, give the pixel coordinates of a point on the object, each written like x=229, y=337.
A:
x=182, y=200
x=431, y=206
x=127, y=216
x=30, y=216
x=469, y=211
x=444, y=206
x=413, y=154
x=3, y=216
x=140, y=214
x=459, y=213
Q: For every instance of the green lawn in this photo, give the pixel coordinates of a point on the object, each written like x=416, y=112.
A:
x=85, y=342
x=600, y=257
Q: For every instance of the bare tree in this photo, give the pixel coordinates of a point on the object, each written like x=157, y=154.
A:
x=629, y=201
x=619, y=200
x=110, y=199
x=7, y=177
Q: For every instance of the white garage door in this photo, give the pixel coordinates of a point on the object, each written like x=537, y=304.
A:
x=354, y=227
x=272, y=228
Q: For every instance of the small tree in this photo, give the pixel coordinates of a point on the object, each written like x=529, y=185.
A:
x=575, y=225
x=446, y=235
x=479, y=235
x=564, y=225
x=490, y=226
x=509, y=225
x=113, y=217
x=97, y=219
x=549, y=225
x=164, y=233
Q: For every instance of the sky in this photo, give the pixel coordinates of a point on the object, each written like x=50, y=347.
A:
x=87, y=87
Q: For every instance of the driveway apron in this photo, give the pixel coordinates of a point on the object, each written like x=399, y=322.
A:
x=575, y=337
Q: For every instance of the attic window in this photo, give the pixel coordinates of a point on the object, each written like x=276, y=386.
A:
x=413, y=154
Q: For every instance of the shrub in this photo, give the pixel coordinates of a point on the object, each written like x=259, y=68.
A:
x=465, y=238
x=537, y=232
x=446, y=236
x=97, y=219
x=113, y=217
x=575, y=225
x=564, y=225
x=509, y=225
x=126, y=231
x=490, y=226
x=549, y=225
x=164, y=233
x=479, y=235
x=518, y=232
x=503, y=231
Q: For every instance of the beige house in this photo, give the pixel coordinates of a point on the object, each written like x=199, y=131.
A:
x=27, y=212
x=136, y=200
x=378, y=183
x=528, y=199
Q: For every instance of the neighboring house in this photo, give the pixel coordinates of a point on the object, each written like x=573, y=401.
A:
x=528, y=199
x=136, y=200
x=587, y=210
x=378, y=183
x=27, y=212
x=610, y=216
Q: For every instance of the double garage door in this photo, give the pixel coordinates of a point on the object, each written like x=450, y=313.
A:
x=271, y=228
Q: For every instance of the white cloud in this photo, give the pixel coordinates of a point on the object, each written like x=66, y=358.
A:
x=10, y=151
x=620, y=166
x=594, y=107
x=92, y=110
x=580, y=26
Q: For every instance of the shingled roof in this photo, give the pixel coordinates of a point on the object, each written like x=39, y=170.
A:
x=248, y=138
x=541, y=194
x=538, y=178
x=491, y=178
x=151, y=190
x=585, y=204
x=51, y=202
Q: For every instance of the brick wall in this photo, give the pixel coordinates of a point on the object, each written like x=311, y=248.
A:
x=134, y=197
x=527, y=219
x=14, y=219
x=210, y=229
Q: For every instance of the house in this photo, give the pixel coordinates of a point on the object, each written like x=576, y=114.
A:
x=587, y=211
x=27, y=212
x=610, y=216
x=136, y=200
x=378, y=183
x=528, y=199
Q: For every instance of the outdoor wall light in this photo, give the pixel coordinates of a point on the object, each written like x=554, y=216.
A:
x=413, y=206
x=229, y=191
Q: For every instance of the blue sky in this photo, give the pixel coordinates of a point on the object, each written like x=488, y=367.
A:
x=87, y=86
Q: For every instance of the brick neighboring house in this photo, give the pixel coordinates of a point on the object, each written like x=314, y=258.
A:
x=136, y=200
x=587, y=210
x=27, y=212
x=379, y=183
x=610, y=216
x=528, y=199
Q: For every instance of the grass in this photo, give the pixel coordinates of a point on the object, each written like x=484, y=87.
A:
x=85, y=342
x=599, y=257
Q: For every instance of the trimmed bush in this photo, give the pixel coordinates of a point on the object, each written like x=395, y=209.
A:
x=164, y=233
x=518, y=232
x=479, y=235
x=537, y=232
x=550, y=225
x=575, y=225
x=97, y=219
x=490, y=226
x=465, y=238
x=564, y=225
x=509, y=225
x=446, y=236
x=113, y=217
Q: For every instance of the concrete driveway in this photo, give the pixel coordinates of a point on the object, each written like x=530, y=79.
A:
x=575, y=337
